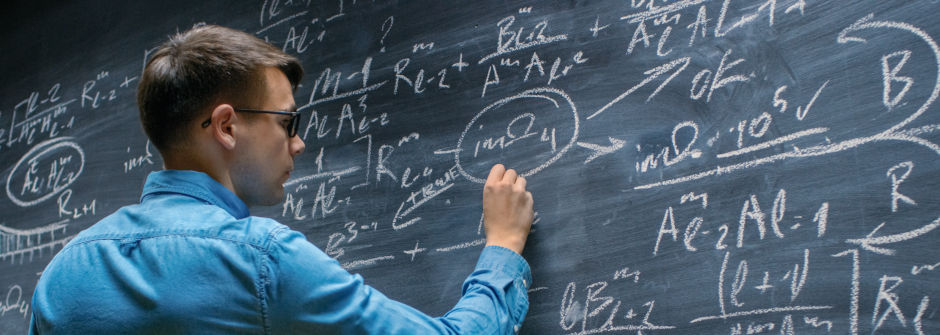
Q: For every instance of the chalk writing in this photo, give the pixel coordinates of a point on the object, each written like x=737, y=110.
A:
x=596, y=308
x=141, y=160
x=476, y=128
x=28, y=122
x=47, y=169
x=29, y=242
x=511, y=40
x=15, y=301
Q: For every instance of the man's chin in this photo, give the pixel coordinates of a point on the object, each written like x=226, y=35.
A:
x=274, y=199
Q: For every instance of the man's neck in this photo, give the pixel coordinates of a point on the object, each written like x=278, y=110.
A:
x=204, y=162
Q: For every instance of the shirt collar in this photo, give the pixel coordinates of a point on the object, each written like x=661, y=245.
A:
x=197, y=185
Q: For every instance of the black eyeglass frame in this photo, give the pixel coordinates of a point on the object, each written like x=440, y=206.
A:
x=292, y=126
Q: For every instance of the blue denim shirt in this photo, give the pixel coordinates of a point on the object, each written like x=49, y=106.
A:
x=189, y=259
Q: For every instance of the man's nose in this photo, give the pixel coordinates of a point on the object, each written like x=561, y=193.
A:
x=297, y=145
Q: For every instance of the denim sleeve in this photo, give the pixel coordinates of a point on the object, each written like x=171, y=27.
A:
x=306, y=291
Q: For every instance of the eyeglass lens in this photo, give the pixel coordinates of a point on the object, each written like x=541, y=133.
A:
x=294, y=125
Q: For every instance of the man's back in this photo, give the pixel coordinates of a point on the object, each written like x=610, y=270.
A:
x=172, y=257
x=190, y=259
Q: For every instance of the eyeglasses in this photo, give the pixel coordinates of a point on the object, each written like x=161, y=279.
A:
x=293, y=125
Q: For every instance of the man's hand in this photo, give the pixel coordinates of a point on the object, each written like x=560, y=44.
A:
x=507, y=209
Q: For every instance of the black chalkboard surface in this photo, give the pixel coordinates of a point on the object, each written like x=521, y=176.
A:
x=699, y=167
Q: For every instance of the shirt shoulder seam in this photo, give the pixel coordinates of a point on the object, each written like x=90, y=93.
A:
x=106, y=237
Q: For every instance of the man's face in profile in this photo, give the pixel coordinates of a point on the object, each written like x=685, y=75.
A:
x=265, y=153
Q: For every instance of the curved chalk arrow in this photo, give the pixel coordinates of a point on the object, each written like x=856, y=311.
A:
x=873, y=243
x=865, y=23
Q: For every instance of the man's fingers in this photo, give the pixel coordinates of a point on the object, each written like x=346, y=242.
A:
x=507, y=208
x=520, y=183
x=496, y=174
x=510, y=176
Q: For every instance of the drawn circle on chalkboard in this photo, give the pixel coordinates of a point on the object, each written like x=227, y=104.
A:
x=50, y=169
x=519, y=129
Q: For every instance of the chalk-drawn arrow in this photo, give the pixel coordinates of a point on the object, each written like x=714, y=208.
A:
x=868, y=22
x=651, y=74
x=873, y=243
x=600, y=150
x=865, y=22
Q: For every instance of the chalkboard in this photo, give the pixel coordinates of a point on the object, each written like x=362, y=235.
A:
x=698, y=167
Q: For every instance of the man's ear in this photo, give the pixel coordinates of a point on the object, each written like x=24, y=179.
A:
x=222, y=125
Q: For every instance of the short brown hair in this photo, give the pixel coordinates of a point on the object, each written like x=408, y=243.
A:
x=196, y=68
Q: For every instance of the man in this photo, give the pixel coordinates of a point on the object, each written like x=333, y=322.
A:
x=218, y=104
